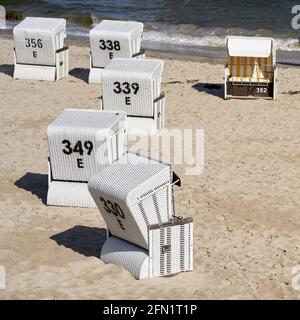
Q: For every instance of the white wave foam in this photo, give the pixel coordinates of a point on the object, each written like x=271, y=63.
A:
x=210, y=40
x=186, y=35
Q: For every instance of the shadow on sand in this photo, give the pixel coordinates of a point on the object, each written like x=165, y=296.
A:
x=215, y=89
x=84, y=240
x=36, y=183
x=7, y=69
x=80, y=73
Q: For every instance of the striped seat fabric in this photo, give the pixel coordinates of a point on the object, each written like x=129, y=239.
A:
x=250, y=69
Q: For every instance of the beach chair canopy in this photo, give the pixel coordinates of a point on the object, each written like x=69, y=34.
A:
x=133, y=193
x=82, y=142
x=250, y=60
x=132, y=86
x=37, y=40
x=249, y=47
x=115, y=39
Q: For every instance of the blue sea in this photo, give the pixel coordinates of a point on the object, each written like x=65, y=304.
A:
x=176, y=22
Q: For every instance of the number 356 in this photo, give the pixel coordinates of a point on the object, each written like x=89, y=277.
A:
x=33, y=43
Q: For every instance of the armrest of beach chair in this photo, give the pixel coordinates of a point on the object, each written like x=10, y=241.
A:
x=62, y=49
x=176, y=179
x=101, y=102
x=162, y=96
x=62, y=62
x=159, y=106
x=140, y=54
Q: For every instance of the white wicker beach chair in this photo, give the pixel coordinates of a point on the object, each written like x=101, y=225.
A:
x=251, y=68
x=81, y=143
x=134, y=87
x=39, y=50
x=113, y=39
x=2, y=17
x=135, y=197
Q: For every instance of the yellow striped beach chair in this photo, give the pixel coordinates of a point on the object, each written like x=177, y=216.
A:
x=251, y=68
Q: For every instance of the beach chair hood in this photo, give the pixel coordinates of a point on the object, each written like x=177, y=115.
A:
x=98, y=128
x=145, y=73
x=122, y=39
x=249, y=47
x=41, y=35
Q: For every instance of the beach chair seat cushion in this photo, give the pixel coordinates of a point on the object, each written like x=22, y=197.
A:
x=250, y=69
x=249, y=79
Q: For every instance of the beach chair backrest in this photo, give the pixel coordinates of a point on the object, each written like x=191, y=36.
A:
x=250, y=67
x=253, y=64
x=131, y=194
x=36, y=40
x=114, y=39
x=83, y=142
x=132, y=86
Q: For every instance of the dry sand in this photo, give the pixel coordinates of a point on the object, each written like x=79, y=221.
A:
x=245, y=204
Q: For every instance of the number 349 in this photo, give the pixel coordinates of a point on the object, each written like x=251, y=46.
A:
x=79, y=147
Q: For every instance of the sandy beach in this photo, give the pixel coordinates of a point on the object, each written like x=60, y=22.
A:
x=245, y=205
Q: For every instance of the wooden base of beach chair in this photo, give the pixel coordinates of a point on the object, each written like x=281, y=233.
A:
x=68, y=193
x=47, y=73
x=96, y=72
x=170, y=250
x=249, y=90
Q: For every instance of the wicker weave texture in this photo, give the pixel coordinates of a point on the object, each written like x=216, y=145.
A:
x=37, y=39
x=132, y=193
x=69, y=194
x=171, y=250
x=83, y=142
x=114, y=39
x=132, y=85
x=126, y=255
